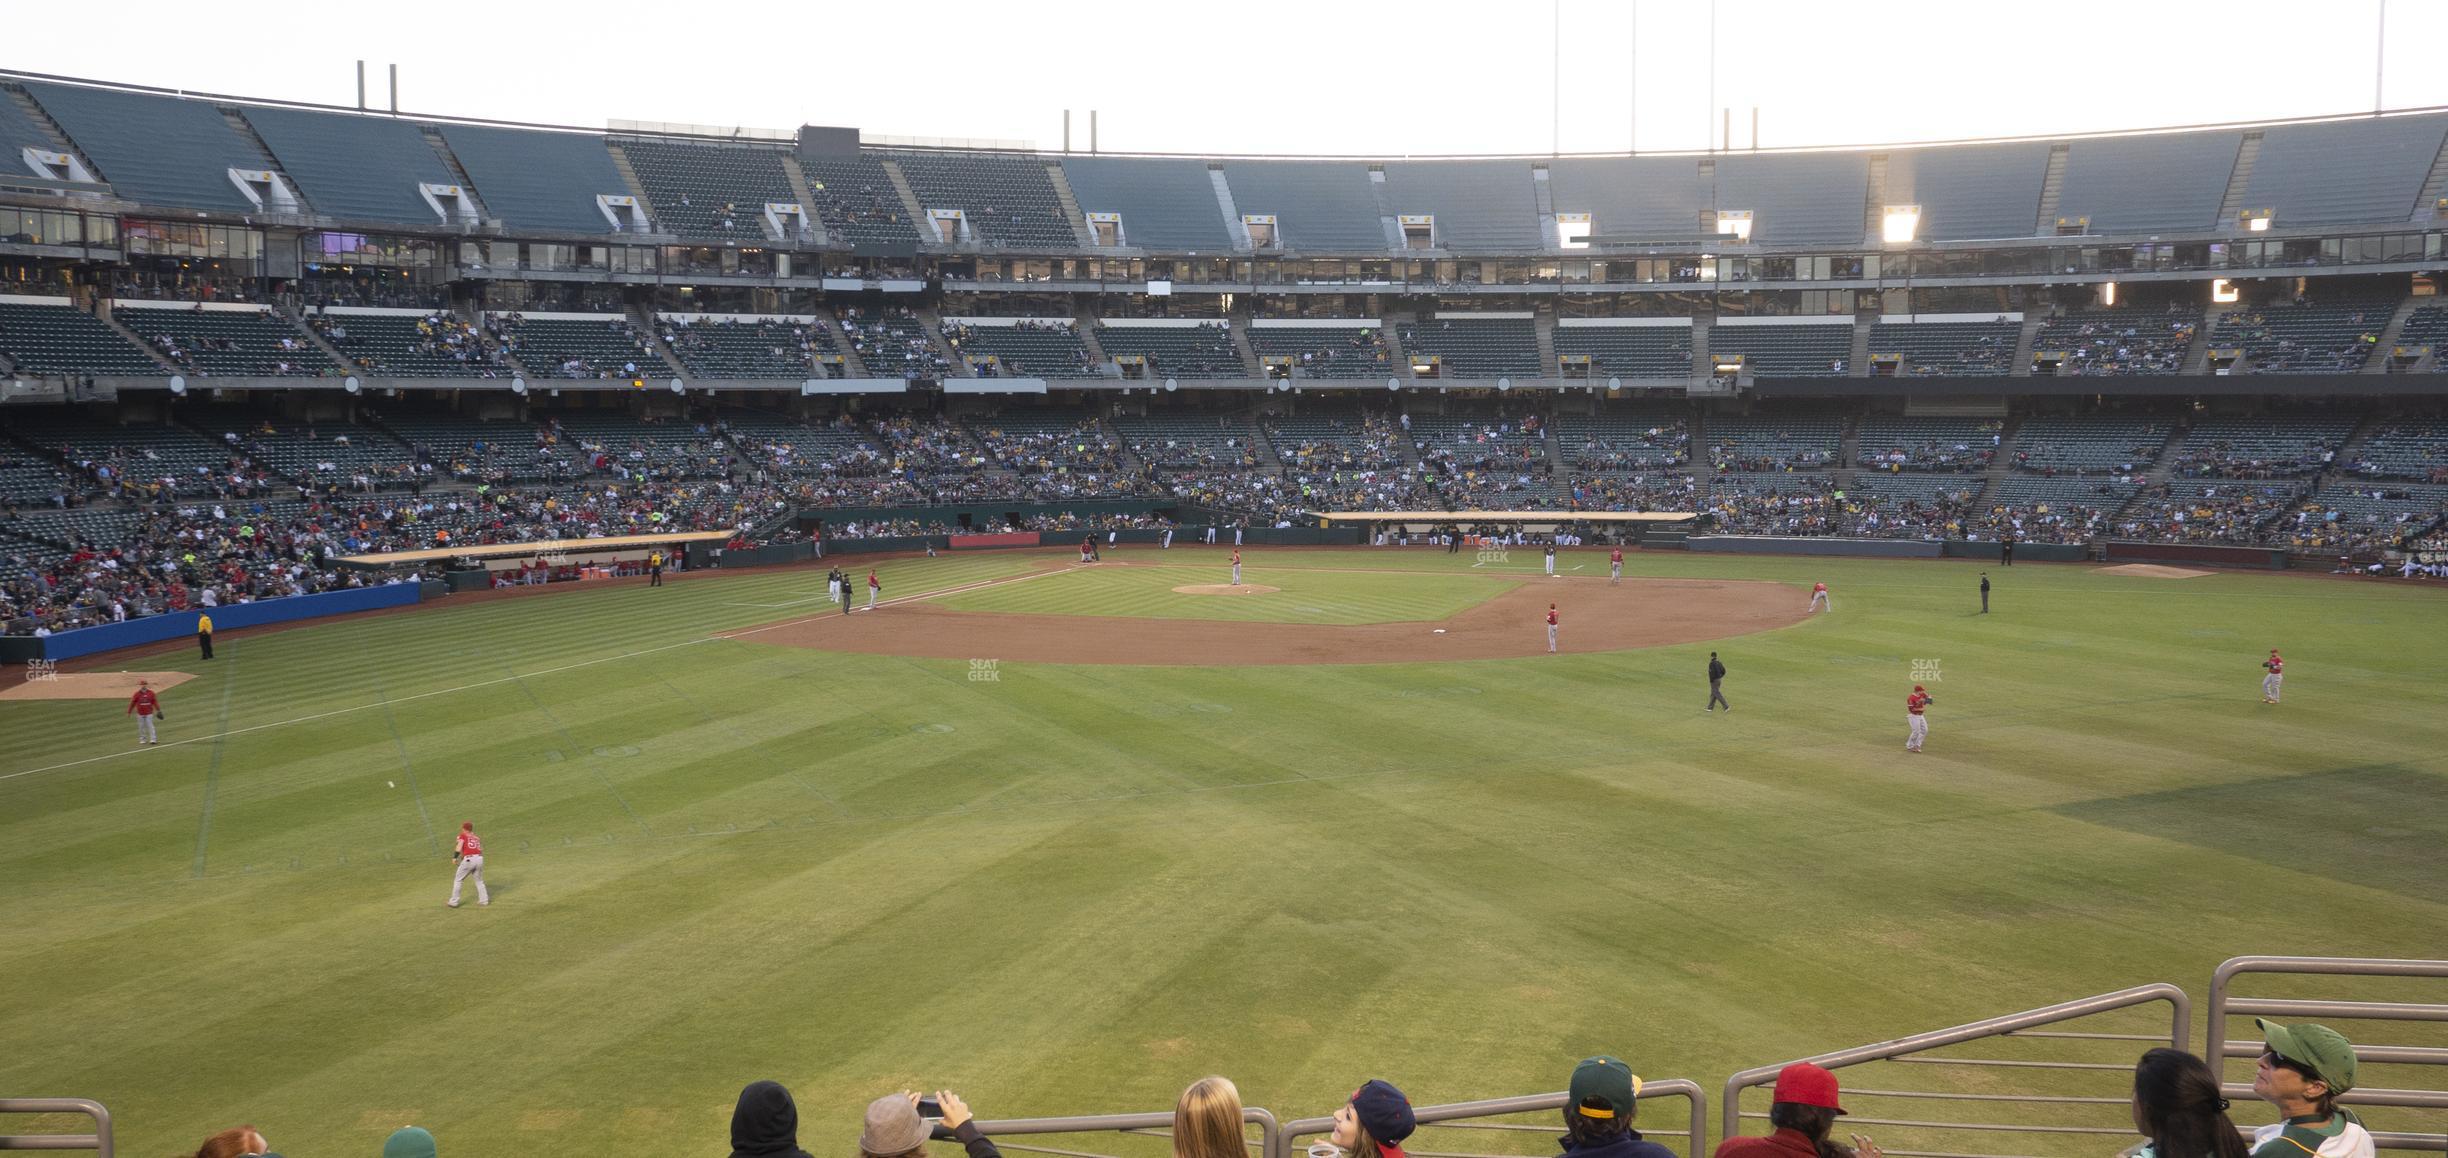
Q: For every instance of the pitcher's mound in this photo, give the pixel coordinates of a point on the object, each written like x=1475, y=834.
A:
x=1226, y=589
x=93, y=685
x=2154, y=571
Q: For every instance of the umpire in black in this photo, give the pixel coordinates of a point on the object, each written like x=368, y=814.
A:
x=1984, y=593
x=1716, y=677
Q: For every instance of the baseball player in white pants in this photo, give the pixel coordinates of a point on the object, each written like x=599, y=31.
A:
x=2276, y=668
x=1551, y=627
x=1819, y=598
x=470, y=856
x=1236, y=562
x=1914, y=705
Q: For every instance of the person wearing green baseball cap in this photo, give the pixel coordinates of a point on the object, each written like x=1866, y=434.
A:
x=2302, y=1071
x=1598, y=1113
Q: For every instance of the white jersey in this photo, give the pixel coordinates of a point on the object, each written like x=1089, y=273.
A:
x=2345, y=1137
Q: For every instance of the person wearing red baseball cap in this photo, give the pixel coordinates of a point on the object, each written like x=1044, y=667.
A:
x=1804, y=1110
x=1915, y=707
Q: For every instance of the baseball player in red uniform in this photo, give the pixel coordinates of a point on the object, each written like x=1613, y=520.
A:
x=1819, y=598
x=470, y=855
x=1236, y=566
x=1088, y=549
x=2276, y=668
x=1915, y=705
x=1615, y=565
x=1551, y=627
x=874, y=589
x=146, y=707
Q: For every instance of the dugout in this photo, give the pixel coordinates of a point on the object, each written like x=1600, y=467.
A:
x=471, y=566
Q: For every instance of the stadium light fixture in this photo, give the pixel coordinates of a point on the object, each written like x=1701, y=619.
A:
x=1900, y=224
x=2258, y=220
x=2107, y=293
x=1573, y=230
x=2224, y=292
x=1736, y=222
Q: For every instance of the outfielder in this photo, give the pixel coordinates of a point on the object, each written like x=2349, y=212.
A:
x=1552, y=623
x=1914, y=705
x=1236, y=561
x=470, y=855
x=146, y=707
x=1819, y=599
x=2276, y=668
x=1615, y=565
x=875, y=588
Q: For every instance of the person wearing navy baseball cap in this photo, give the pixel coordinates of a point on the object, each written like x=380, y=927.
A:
x=1374, y=1122
x=1803, y=1110
x=1598, y=1113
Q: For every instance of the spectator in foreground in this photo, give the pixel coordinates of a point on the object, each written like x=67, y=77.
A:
x=895, y=1130
x=1374, y=1123
x=765, y=1123
x=1598, y=1117
x=235, y=1142
x=1803, y=1111
x=1207, y=1121
x=409, y=1142
x=2176, y=1104
x=2303, y=1069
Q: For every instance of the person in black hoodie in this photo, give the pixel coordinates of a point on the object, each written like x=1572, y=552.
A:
x=766, y=1123
x=1716, y=678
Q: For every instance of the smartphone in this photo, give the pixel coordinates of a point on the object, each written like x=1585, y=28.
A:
x=929, y=1108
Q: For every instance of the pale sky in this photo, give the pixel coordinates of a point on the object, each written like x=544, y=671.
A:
x=1304, y=76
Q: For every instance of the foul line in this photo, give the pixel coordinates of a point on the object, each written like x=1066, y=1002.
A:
x=386, y=703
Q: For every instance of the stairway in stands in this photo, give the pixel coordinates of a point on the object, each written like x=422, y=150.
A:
x=2156, y=474
x=2021, y=367
x=1238, y=326
x=1999, y=463
x=2390, y=334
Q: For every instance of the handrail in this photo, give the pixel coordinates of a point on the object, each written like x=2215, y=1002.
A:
x=99, y=1141
x=1005, y=1128
x=2218, y=1049
x=2179, y=1027
x=1454, y=1112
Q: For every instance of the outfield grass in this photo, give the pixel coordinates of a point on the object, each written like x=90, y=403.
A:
x=1074, y=889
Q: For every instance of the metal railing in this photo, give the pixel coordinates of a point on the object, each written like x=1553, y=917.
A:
x=1156, y=1125
x=1461, y=1115
x=2218, y=1049
x=2027, y=1024
x=99, y=1141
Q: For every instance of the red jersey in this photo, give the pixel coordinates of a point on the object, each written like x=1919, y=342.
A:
x=1236, y=557
x=144, y=703
x=1818, y=588
x=2275, y=665
x=871, y=580
x=1551, y=617
x=1615, y=556
x=469, y=845
x=1916, y=702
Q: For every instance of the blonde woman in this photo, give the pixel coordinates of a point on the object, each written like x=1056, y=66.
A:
x=1207, y=1121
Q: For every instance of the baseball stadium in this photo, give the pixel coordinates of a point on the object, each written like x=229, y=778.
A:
x=529, y=639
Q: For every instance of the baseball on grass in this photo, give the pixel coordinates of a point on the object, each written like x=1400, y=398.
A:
x=390, y=784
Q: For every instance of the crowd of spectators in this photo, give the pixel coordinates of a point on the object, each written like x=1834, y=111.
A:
x=2104, y=344
x=892, y=343
x=1498, y=444
x=1934, y=454
x=1661, y=445
x=2237, y=512
x=1083, y=445
x=1365, y=441
x=440, y=334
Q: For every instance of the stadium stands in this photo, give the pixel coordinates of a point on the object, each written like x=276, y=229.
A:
x=1190, y=441
x=1006, y=199
x=1479, y=206
x=1354, y=351
x=406, y=345
x=1785, y=350
x=324, y=456
x=1631, y=198
x=2103, y=445
x=2305, y=337
x=2093, y=342
x=2260, y=448
x=1629, y=351
x=1201, y=351
x=2361, y=516
x=154, y=149
x=724, y=346
x=1497, y=442
x=2168, y=182
x=1960, y=349
x=1318, y=206
x=2189, y=511
x=892, y=344
x=227, y=343
x=489, y=452
x=1336, y=437
x=366, y=168
x=538, y=180
x=1927, y=444
x=1022, y=348
x=1971, y=192
x=565, y=347
x=1624, y=441
x=1476, y=347
x=1164, y=203
x=1046, y=440
x=1796, y=198
x=1801, y=442
x=2041, y=509
x=857, y=203
x=2405, y=449
x=59, y=339
x=139, y=460
x=2296, y=173
x=716, y=192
